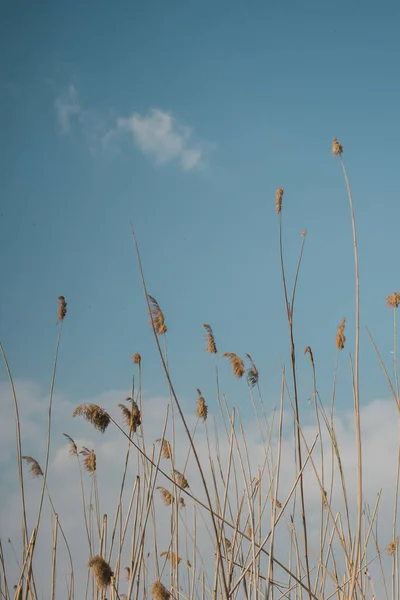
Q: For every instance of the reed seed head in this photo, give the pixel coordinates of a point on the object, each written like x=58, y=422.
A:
x=165, y=448
x=127, y=573
x=159, y=591
x=101, y=570
x=62, y=308
x=173, y=557
x=202, y=408
x=307, y=350
x=165, y=495
x=73, y=448
x=89, y=460
x=131, y=417
x=95, y=415
x=393, y=300
x=392, y=547
x=181, y=480
x=137, y=359
x=211, y=345
x=337, y=149
x=304, y=233
x=157, y=316
x=252, y=373
x=181, y=502
x=236, y=362
x=278, y=200
x=34, y=466
x=340, y=337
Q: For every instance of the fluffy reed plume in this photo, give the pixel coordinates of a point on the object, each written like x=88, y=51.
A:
x=307, y=350
x=165, y=495
x=132, y=416
x=89, y=461
x=252, y=373
x=340, y=337
x=278, y=200
x=101, y=570
x=73, y=448
x=165, y=448
x=94, y=414
x=236, y=363
x=159, y=591
x=392, y=547
x=137, y=359
x=173, y=557
x=211, y=345
x=276, y=502
x=202, y=408
x=34, y=466
x=337, y=148
x=181, y=502
x=181, y=480
x=304, y=233
x=157, y=316
x=393, y=300
x=62, y=308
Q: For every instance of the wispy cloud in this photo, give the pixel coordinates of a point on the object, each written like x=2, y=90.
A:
x=161, y=136
x=67, y=109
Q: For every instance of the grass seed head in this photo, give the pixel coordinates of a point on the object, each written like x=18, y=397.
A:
x=165, y=495
x=73, y=448
x=392, y=547
x=34, y=466
x=131, y=417
x=137, y=359
x=181, y=480
x=159, y=591
x=337, y=149
x=278, y=200
x=95, y=415
x=237, y=364
x=165, y=448
x=202, y=408
x=252, y=373
x=157, y=316
x=101, y=571
x=340, y=337
x=62, y=308
x=89, y=460
x=211, y=345
x=307, y=350
x=393, y=300
x=173, y=557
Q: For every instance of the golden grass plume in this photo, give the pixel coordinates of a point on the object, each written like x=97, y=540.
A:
x=89, y=460
x=392, y=547
x=337, y=149
x=73, y=448
x=62, y=308
x=94, y=414
x=165, y=495
x=132, y=416
x=157, y=316
x=393, y=300
x=181, y=480
x=340, y=337
x=202, y=408
x=307, y=350
x=210, y=339
x=252, y=373
x=173, y=557
x=165, y=448
x=136, y=358
x=34, y=466
x=278, y=200
x=236, y=362
x=101, y=570
x=159, y=591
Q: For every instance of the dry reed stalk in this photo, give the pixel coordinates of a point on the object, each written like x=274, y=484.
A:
x=94, y=414
x=340, y=337
x=89, y=460
x=211, y=345
x=237, y=364
x=157, y=316
x=337, y=149
x=62, y=309
x=252, y=373
x=202, y=408
x=159, y=591
x=101, y=571
x=278, y=200
x=34, y=466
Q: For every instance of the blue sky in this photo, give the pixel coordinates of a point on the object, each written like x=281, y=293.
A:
x=185, y=118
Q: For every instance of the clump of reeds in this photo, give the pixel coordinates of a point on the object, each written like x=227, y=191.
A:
x=157, y=316
x=132, y=416
x=94, y=414
x=252, y=373
x=337, y=149
x=62, y=308
x=278, y=200
x=393, y=300
x=165, y=448
x=202, y=408
x=89, y=460
x=211, y=345
x=159, y=591
x=236, y=362
x=34, y=466
x=101, y=571
x=340, y=337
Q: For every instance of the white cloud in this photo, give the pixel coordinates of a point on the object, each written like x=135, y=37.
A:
x=67, y=108
x=160, y=135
